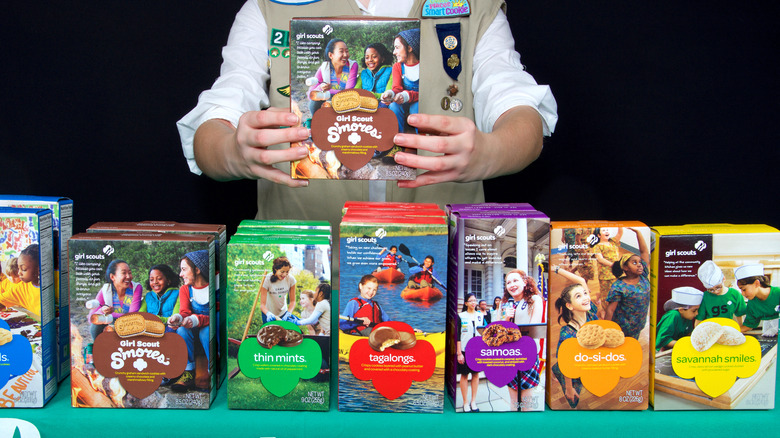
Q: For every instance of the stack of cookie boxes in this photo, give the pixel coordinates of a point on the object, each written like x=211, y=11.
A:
x=28, y=367
x=599, y=311
x=220, y=236
x=143, y=320
x=62, y=228
x=497, y=254
x=724, y=280
x=279, y=320
x=392, y=308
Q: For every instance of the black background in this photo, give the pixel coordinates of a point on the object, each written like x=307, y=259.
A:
x=667, y=109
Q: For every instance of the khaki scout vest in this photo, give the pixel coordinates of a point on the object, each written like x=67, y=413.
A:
x=323, y=199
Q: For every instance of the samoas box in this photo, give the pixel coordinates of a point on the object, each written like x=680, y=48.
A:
x=279, y=321
x=220, y=236
x=715, y=320
x=143, y=320
x=497, y=255
x=62, y=227
x=392, y=311
x=28, y=338
x=599, y=314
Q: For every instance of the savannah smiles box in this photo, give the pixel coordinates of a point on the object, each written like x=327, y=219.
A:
x=714, y=366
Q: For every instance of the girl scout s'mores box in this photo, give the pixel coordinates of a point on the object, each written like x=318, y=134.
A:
x=142, y=320
x=497, y=308
x=279, y=321
x=392, y=309
x=220, y=237
x=353, y=81
x=715, y=319
x=62, y=228
x=599, y=309
x=28, y=367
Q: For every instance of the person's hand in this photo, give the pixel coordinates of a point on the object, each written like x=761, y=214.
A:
x=509, y=313
x=324, y=86
x=187, y=322
x=456, y=138
x=387, y=97
x=247, y=155
x=270, y=317
x=174, y=321
x=106, y=310
x=365, y=320
x=461, y=358
x=570, y=393
x=464, y=153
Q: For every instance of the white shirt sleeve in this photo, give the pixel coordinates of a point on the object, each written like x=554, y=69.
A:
x=500, y=81
x=241, y=86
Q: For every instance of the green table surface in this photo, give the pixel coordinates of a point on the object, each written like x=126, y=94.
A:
x=58, y=418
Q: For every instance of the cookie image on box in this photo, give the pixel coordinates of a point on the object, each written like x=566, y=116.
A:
x=591, y=336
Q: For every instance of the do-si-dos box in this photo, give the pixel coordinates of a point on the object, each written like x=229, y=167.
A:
x=279, y=321
x=143, y=320
x=28, y=338
x=599, y=314
x=62, y=228
x=715, y=320
x=392, y=311
x=219, y=232
x=342, y=87
x=496, y=359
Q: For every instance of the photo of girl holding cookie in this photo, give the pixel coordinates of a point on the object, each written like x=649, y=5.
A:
x=406, y=76
x=629, y=298
x=376, y=76
x=193, y=317
x=162, y=298
x=119, y=295
x=574, y=309
x=336, y=73
x=277, y=293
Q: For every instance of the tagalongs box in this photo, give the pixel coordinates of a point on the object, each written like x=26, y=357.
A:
x=353, y=108
x=143, y=320
x=400, y=297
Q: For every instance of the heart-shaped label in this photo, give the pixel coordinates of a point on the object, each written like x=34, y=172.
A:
x=354, y=135
x=140, y=362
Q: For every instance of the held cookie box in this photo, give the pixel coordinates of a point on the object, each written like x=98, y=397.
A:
x=392, y=311
x=143, y=320
x=220, y=236
x=28, y=338
x=354, y=121
x=62, y=227
x=715, y=320
x=495, y=360
x=599, y=330
x=279, y=322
